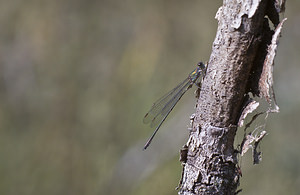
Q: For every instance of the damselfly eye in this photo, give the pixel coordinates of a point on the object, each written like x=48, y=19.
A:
x=201, y=65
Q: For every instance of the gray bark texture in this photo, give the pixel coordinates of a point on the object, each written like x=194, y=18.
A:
x=235, y=68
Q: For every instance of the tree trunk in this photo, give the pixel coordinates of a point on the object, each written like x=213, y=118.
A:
x=240, y=48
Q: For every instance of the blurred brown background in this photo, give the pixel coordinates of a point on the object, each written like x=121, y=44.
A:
x=77, y=77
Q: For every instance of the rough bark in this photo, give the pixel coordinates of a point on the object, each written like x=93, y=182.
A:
x=239, y=49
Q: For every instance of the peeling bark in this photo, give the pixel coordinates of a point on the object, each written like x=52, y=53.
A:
x=239, y=49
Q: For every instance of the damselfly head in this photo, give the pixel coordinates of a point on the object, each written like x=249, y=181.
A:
x=201, y=65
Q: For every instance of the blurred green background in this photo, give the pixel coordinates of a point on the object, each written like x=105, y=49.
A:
x=78, y=76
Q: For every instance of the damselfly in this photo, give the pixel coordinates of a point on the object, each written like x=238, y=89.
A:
x=163, y=106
